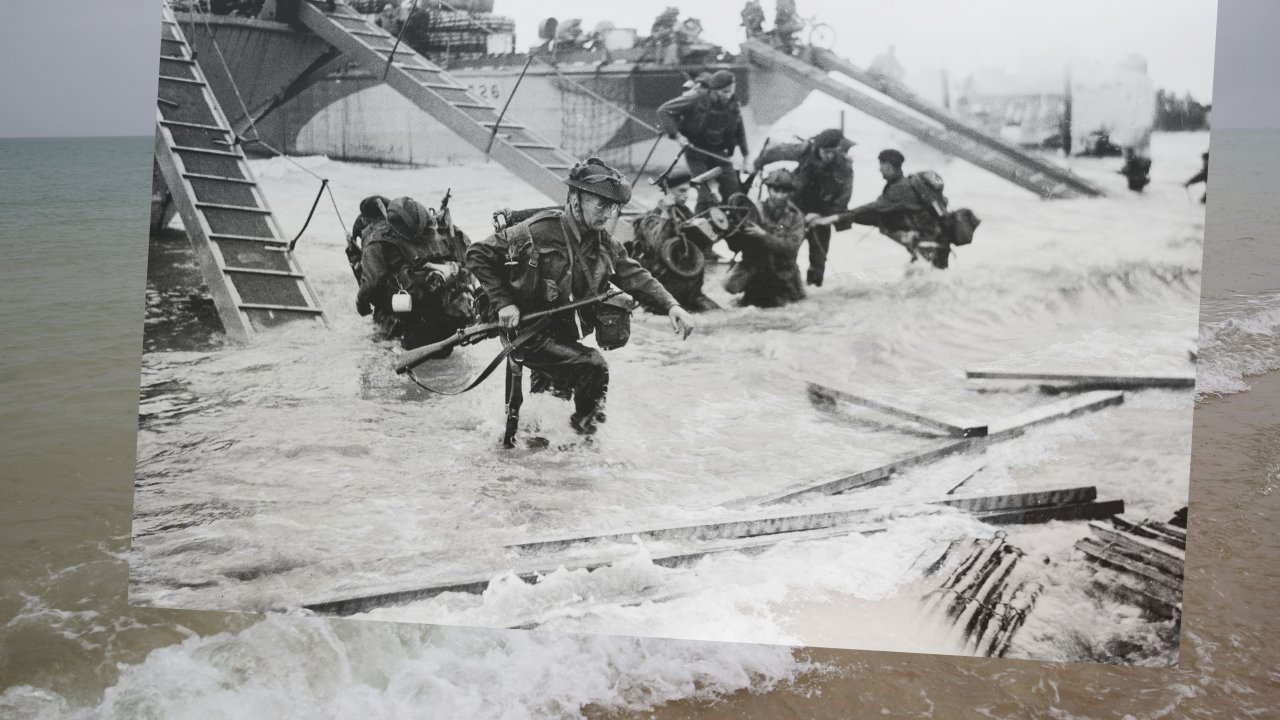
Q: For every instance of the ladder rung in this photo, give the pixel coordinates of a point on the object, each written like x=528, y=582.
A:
x=534, y=146
x=473, y=106
x=278, y=244
x=197, y=126
x=203, y=151
x=420, y=68
x=442, y=86
x=290, y=308
x=260, y=271
x=367, y=33
x=188, y=61
x=509, y=126
x=220, y=206
x=557, y=166
x=187, y=81
x=218, y=178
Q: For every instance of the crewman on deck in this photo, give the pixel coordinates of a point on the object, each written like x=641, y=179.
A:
x=412, y=277
x=672, y=249
x=909, y=211
x=1201, y=177
x=710, y=119
x=554, y=258
x=768, y=275
x=824, y=180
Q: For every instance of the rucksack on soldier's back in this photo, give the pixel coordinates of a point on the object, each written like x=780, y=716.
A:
x=959, y=225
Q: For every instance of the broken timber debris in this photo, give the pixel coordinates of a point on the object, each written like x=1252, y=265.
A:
x=983, y=597
x=1082, y=381
x=1010, y=427
x=740, y=535
x=821, y=393
x=1144, y=562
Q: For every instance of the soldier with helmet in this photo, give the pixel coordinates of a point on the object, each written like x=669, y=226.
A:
x=672, y=247
x=768, y=275
x=558, y=256
x=824, y=180
x=710, y=118
x=411, y=276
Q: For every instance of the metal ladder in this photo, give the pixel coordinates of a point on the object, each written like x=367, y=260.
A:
x=1055, y=183
x=255, y=280
x=532, y=159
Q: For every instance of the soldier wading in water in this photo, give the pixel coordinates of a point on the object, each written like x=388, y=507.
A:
x=558, y=256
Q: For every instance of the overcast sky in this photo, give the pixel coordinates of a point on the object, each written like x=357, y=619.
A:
x=87, y=67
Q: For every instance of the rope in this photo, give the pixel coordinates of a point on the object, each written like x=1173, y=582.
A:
x=392, y=56
x=257, y=139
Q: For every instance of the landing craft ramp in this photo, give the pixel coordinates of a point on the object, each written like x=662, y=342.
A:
x=255, y=280
x=938, y=127
x=425, y=84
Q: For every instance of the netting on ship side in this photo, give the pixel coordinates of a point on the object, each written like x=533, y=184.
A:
x=594, y=110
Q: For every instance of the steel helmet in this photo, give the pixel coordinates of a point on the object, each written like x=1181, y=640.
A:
x=595, y=177
x=781, y=179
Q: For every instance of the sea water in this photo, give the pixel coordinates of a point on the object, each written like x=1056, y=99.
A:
x=76, y=239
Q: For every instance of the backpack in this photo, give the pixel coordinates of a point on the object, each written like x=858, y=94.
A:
x=959, y=225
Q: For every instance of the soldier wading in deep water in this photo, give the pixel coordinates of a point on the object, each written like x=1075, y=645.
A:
x=558, y=256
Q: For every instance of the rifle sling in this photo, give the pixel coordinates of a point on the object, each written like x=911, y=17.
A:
x=514, y=345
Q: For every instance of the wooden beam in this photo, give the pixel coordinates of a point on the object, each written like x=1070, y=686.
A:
x=822, y=393
x=478, y=582
x=1010, y=427
x=1092, y=382
x=1069, y=511
x=1151, y=552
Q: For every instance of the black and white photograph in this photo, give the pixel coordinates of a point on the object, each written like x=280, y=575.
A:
x=845, y=325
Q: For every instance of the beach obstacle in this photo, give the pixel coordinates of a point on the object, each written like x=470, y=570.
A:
x=1079, y=382
x=822, y=394
x=985, y=597
x=1140, y=562
x=1004, y=429
x=675, y=546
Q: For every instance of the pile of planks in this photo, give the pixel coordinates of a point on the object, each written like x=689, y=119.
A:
x=984, y=597
x=1141, y=562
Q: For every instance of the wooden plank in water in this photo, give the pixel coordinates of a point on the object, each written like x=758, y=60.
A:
x=819, y=392
x=1010, y=427
x=1102, y=552
x=1045, y=513
x=1151, y=552
x=1153, y=530
x=1100, y=382
x=478, y=582
x=1039, y=498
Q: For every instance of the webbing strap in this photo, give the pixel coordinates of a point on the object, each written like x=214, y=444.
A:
x=514, y=345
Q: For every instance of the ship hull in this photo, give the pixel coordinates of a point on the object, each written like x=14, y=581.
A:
x=586, y=108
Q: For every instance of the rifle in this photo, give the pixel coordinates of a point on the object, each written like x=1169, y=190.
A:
x=751, y=179
x=483, y=331
x=444, y=211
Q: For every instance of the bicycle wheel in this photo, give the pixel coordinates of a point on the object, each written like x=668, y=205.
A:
x=822, y=36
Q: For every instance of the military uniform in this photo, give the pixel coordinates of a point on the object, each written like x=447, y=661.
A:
x=822, y=186
x=394, y=251
x=554, y=262
x=653, y=230
x=769, y=250
x=710, y=125
x=904, y=213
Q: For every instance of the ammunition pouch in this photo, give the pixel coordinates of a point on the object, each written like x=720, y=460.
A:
x=613, y=322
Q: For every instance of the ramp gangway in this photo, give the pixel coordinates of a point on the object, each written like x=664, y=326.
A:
x=536, y=161
x=829, y=61
x=1019, y=167
x=255, y=280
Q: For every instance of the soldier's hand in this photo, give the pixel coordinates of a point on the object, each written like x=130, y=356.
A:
x=509, y=317
x=681, y=322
